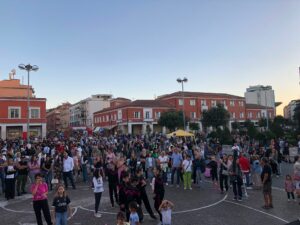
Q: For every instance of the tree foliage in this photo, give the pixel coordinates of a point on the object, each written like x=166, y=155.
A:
x=215, y=117
x=171, y=119
x=194, y=126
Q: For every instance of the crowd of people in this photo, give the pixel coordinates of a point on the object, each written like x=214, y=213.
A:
x=130, y=163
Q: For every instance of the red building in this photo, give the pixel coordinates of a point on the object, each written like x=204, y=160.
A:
x=194, y=103
x=135, y=117
x=13, y=111
x=13, y=117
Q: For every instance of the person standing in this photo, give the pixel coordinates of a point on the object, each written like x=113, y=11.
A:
x=98, y=189
x=236, y=178
x=163, y=160
x=266, y=177
x=142, y=188
x=158, y=190
x=68, y=166
x=34, y=167
x=2, y=174
x=224, y=174
x=10, y=175
x=289, y=187
x=46, y=168
x=39, y=191
x=112, y=175
x=187, y=172
x=176, y=165
x=61, y=204
x=22, y=168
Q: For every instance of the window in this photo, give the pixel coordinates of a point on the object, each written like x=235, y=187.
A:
x=157, y=115
x=241, y=103
x=224, y=103
x=213, y=103
x=193, y=102
x=203, y=102
x=193, y=115
x=258, y=115
x=180, y=102
x=241, y=115
x=34, y=113
x=250, y=115
x=270, y=115
x=14, y=112
x=147, y=116
x=233, y=115
x=137, y=115
x=100, y=119
x=231, y=102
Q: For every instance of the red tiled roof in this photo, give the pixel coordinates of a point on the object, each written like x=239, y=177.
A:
x=255, y=106
x=200, y=94
x=139, y=103
x=22, y=98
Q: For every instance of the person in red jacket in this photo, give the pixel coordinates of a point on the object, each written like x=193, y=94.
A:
x=245, y=167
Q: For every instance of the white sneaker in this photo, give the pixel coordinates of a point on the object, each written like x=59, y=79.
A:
x=98, y=215
x=191, y=188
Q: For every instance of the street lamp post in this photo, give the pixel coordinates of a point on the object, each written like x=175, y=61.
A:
x=28, y=68
x=179, y=80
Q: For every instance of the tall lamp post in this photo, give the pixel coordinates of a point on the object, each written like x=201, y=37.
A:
x=28, y=68
x=179, y=80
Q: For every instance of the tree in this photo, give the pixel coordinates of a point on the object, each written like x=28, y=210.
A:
x=171, y=119
x=215, y=117
x=262, y=122
x=194, y=126
x=235, y=125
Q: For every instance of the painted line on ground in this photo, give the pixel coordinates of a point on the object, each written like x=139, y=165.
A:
x=257, y=210
x=175, y=212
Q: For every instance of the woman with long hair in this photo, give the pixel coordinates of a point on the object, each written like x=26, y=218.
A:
x=98, y=189
x=34, y=167
x=61, y=206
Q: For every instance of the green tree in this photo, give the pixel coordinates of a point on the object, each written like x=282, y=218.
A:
x=235, y=125
x=171, y=119
x=194, y=126
x=215, y=117
x=262, y=122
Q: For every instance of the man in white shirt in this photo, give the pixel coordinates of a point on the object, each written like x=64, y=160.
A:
x=79, y=150
x=68, y=170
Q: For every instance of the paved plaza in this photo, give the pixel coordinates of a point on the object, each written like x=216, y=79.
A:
x=204, y=205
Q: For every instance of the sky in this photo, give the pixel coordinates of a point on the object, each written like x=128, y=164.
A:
x=137, y=49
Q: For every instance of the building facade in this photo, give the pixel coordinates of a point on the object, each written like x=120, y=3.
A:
x=13, y=117
x=137, y=117
x=13, y=111
x=58, y=119
x=82, y=112
x=260, y=95
x=194, y=103
x=288, y=110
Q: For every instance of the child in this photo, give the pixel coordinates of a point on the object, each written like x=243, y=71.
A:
x=98, y=189
x=61, y=203
x=289, y=187
x=121, y=219
x=134, y=217
x=166, y=210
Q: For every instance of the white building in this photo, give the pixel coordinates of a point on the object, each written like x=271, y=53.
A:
x=81, y=113
x=260, y=95
x=289, y=109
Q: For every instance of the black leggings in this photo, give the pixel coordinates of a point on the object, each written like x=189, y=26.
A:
x=157, y=202
x=42, y=205
x=290, y=194
x=223, y=181
x=97, y=200
x=113, y=191
x=10, y=188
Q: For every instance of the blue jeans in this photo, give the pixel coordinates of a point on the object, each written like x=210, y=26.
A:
x=61, y=218
x=178, y=171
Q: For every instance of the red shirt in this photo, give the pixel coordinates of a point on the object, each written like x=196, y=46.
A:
x=244, y=164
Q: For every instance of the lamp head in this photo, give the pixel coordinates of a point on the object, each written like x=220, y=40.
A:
x=22, y=67
x=179, y=80
x=34, y=68
x=185, y=79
